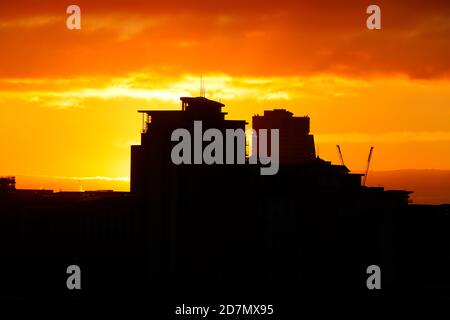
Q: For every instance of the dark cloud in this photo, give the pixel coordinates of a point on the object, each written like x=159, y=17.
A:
x=236, y=37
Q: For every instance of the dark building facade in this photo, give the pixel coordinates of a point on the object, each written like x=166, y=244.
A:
x=296, y=144
x=152, y=158
x=192, y=208
x=227, y=228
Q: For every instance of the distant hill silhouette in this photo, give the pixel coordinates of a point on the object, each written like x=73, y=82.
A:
x=429, y=186
x=70, y=184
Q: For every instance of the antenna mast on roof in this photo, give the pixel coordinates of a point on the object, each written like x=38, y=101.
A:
x=202, y=86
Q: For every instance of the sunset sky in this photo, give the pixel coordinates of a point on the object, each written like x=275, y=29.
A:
x=68, y=98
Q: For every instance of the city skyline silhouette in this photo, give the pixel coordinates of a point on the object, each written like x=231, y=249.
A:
x=195, y=159
x=77, y=97
x=209, y=233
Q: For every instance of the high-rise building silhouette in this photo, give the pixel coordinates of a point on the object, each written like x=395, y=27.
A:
x=151, y=159
x=296, y=145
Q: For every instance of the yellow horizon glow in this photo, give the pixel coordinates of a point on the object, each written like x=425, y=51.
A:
x=68, y=98
x=95, y=117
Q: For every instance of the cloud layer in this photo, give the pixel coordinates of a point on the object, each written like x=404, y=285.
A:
x=258, y=38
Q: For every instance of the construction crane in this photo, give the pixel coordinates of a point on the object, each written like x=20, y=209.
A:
x=368, y=164
x=340, y=155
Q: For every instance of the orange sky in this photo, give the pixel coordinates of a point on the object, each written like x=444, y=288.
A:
x=68, y=99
